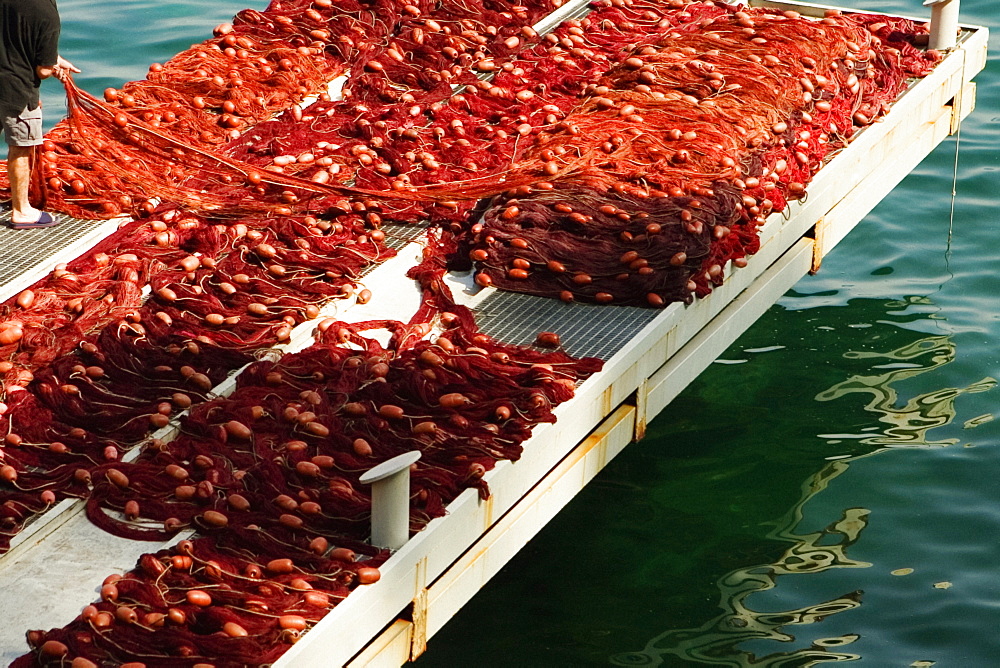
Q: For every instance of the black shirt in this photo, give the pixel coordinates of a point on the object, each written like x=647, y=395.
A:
x=29, y=38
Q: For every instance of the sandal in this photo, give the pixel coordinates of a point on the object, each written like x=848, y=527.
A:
x=44, y=220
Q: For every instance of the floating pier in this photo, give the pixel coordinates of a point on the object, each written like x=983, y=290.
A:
x=57, y=563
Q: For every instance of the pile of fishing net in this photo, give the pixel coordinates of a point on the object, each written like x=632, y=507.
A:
x=239, y=601
x=270, y=476
x=151, y=137
x=628, y=157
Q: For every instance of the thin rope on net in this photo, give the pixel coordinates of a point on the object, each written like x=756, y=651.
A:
x=172, y=169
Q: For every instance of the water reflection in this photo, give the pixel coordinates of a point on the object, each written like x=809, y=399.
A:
x=908, y=424
x=715, y=643
x=718, y=641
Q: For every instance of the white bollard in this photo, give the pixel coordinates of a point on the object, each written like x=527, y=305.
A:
x=390, y=483
x=944, y=23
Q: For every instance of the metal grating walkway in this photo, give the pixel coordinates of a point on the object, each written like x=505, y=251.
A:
x=397, y=236
x=22, y=250
x=586, y=330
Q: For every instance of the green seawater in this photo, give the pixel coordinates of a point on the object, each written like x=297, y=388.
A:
x=826, y=492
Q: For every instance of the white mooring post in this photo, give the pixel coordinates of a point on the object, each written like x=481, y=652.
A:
x=390, y=483
x=944, y=23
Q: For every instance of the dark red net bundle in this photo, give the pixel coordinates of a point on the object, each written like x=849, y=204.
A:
x=241, y=600
x=306, y=428
x=663, y=173
x=271, y=476
x=103, y=367
x=90, y=406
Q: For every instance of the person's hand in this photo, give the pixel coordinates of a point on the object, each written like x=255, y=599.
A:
x=63, y=68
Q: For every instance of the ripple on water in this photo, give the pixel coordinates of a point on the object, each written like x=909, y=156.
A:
x=930, y=591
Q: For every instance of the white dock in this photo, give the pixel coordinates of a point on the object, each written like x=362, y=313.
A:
x=57, y=564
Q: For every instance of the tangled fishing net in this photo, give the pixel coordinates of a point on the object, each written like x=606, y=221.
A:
x=628, y=157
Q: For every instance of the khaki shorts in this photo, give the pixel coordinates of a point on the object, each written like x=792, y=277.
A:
x=24, y=129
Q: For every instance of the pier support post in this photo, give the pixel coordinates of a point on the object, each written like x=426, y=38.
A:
x=390, y=483
x=944, y=23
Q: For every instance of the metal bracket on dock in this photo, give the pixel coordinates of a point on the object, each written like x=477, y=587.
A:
x=962, y=104
x=419, y=611
x=641, y=395
x=418, y=640
x=818, y=245
x=964, y=101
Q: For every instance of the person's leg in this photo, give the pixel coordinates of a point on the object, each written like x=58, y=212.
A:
x=19, y=174
x=22, y=132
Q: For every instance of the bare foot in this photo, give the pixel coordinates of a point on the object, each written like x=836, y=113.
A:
x=29, y=215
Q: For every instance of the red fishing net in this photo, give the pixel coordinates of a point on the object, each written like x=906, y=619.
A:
x=628, y=157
